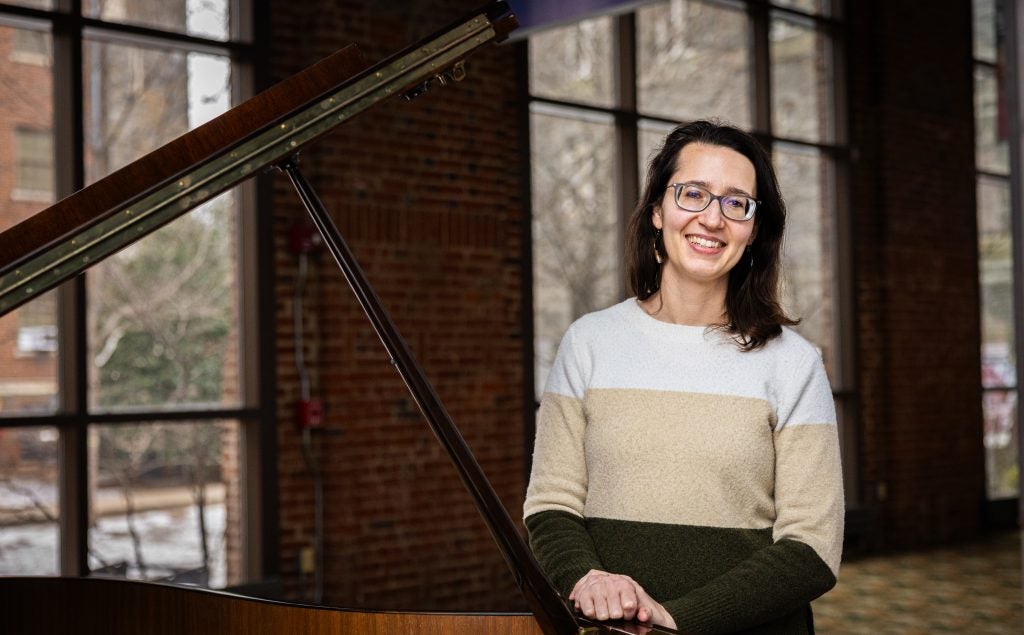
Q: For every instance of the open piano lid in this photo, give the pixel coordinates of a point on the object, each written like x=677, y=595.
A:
x=97, y=221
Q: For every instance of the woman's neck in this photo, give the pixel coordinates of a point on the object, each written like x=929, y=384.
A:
x=692, y=304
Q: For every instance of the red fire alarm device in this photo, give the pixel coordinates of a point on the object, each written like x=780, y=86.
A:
x=309, y=413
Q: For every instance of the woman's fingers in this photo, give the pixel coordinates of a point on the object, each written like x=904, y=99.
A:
x=652, y=612
x=628, y=602
x=601, y=611
x=643, y=614
x=590, y=575
x=602, y=596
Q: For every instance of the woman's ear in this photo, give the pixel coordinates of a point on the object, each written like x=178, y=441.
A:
x=753, y=234
x=656, y=216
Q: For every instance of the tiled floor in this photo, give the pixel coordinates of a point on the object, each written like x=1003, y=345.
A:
x=973, y=589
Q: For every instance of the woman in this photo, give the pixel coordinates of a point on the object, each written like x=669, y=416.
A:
x=686, y=469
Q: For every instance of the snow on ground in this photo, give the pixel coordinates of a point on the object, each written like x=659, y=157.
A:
x=170, y=538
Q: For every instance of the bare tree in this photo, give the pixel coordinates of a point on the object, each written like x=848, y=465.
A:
x=577, y=249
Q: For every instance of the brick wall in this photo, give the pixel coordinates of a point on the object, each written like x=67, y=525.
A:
x=428, y=195
x=922, y=464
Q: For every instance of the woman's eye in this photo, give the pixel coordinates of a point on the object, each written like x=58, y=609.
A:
x=694, y=194
x=736, y=203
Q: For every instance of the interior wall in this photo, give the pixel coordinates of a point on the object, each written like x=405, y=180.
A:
x=429, y=196
x=916, y=270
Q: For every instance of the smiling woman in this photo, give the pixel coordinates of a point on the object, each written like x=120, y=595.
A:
x=701, y=242
x=700, y=283
x=686, y=470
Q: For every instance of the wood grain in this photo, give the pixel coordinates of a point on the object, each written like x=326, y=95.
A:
x=45, y=606
x=104, y=197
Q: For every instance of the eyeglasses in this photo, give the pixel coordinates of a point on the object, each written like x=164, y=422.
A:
x=694, y=198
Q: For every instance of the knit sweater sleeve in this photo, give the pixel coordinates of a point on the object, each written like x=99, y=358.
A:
x=555, y=498
x=803, y=561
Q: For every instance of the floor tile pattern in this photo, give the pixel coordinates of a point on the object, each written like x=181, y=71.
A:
x=970, y=589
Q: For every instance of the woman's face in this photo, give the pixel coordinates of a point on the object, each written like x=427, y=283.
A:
x=703, y=246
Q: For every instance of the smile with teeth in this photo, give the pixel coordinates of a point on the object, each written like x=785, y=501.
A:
x=704, y=242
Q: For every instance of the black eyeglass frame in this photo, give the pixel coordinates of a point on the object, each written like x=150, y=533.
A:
x=749, y=211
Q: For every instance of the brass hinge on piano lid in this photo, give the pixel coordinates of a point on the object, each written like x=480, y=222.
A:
x=456, y=73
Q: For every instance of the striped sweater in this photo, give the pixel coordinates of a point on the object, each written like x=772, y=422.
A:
x=709, y=475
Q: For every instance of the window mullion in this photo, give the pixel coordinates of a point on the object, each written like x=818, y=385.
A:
x=844, y=335
x=761, y=65
x=69, y=171
x=628, y=186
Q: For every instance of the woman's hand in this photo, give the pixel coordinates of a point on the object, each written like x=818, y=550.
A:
x=651, y=611
x=602, y=596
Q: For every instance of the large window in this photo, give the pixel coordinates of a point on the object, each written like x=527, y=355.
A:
x=995, y=252
x=605, y=91
x=125, y=403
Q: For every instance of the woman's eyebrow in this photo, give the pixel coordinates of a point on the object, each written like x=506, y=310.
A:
x=730, y=190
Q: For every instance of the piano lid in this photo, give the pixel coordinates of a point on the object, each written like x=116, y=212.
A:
x=95, y=222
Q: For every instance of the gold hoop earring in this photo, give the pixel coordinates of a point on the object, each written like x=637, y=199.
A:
x=657, y=254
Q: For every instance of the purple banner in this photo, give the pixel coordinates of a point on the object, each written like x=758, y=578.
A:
x=537, y=14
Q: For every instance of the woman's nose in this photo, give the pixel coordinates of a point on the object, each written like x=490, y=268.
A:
x=712, y=215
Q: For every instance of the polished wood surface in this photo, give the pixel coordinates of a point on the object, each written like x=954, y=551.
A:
x=104, y=606
x=106, y=196
x=83, y=229
x=87, y=606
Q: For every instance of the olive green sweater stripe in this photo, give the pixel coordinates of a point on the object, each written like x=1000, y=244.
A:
x=696, y=572
x=795, y=573
x=564, y=548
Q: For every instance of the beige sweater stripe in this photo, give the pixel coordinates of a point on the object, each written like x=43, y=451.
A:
x=652, y=422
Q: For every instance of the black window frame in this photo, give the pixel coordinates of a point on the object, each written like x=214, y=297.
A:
x=256, y=414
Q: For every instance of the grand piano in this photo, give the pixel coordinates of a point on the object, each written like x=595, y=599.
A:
x=268, y=130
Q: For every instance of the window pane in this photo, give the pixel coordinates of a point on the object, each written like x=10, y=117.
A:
x=203, y=18
x=1000, y=407
x=158, y=497
x=163, y=317
x=807, y=258
x=995, y=251
x=801, y=76
x=651, y=134
x=576, y=246
x=991, y=127
x=162, y=312
x=986, y=30
x=693, y=61
x=28, y=501
x=141, y=98
x=574, y=63
x=28, y=336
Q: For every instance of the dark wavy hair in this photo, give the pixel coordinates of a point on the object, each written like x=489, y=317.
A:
x=753, y=312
